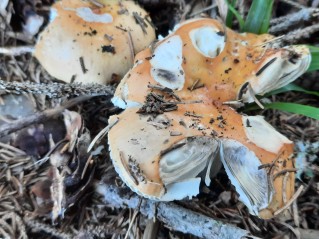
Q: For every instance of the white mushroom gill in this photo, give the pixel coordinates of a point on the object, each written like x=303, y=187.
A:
x=279, y=70
x=167, y=63
x=187, y=161
x=262, y=134
x=209, y=41
x=251, y=183
x=182, y=168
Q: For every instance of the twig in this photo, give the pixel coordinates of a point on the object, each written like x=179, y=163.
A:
x=288, y=170
x=101, y=134
x=298, y=34
x=131, y=224
x=178, y=218
x=294, y=230
x=284, y=23
x=16, y=51
x=203, y=10
x=55, y=90
x=293, y=3
x=292, y=199
x=307, y=233
x=37, y=226
x=39, y=116
x=295, y=213
x=151, y=229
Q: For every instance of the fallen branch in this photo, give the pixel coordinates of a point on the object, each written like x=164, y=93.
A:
x=39, y=116
x=55, y=90
x=278, y=25
x=298, y=34
x=38, y=227
x=174, y=216
x=16, y=51
x=308, y=233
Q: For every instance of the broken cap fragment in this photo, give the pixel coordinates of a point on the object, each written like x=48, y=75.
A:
x=89, y=42
x=276, y=70
x=173, y=109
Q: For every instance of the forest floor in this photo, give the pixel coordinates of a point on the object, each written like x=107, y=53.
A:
x=26, y=206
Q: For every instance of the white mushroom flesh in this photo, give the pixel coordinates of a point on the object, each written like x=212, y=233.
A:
x=208, y=41
x=88, y=15
x=261, y=133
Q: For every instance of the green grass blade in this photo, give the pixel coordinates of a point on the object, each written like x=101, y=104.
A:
x=236, y=14
x=230, y=14
x=292, y=87
x=314, y=65
x=305, y=110
x=259, y=16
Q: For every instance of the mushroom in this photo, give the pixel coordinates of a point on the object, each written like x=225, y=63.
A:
x=93, y=41
x=202, y=52
x=175, y=130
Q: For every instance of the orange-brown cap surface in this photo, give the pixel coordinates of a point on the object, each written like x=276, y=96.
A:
x=219, y=63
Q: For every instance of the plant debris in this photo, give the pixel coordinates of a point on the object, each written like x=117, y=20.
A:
x=25, y=179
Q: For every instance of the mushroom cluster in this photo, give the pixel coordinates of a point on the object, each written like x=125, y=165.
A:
x=176, y=130
x=93, y=41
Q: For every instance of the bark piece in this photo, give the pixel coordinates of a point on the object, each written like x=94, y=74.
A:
x=178, y=218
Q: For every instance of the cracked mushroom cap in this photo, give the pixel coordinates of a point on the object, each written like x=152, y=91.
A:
x=175, y=130
x=165, y=156
x=203, y=55
x=93, y=41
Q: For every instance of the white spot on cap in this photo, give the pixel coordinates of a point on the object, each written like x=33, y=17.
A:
x=88, y=15
x=53, y=14
x=209, y=41
x=259, y=132
x=167, y=63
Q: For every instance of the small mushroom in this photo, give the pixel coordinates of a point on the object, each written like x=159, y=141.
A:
x=175, y=130
x=93, y=41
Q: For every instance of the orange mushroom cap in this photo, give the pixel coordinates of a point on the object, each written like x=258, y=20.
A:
x=203, y=53
x=165, y=156
x=175, y=130
x=90, y=42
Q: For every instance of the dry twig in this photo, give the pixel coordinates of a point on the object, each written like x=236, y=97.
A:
x=284, y=23
x=178, y=218
x=40, y=116
x=298, y=34
x=56, y=90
